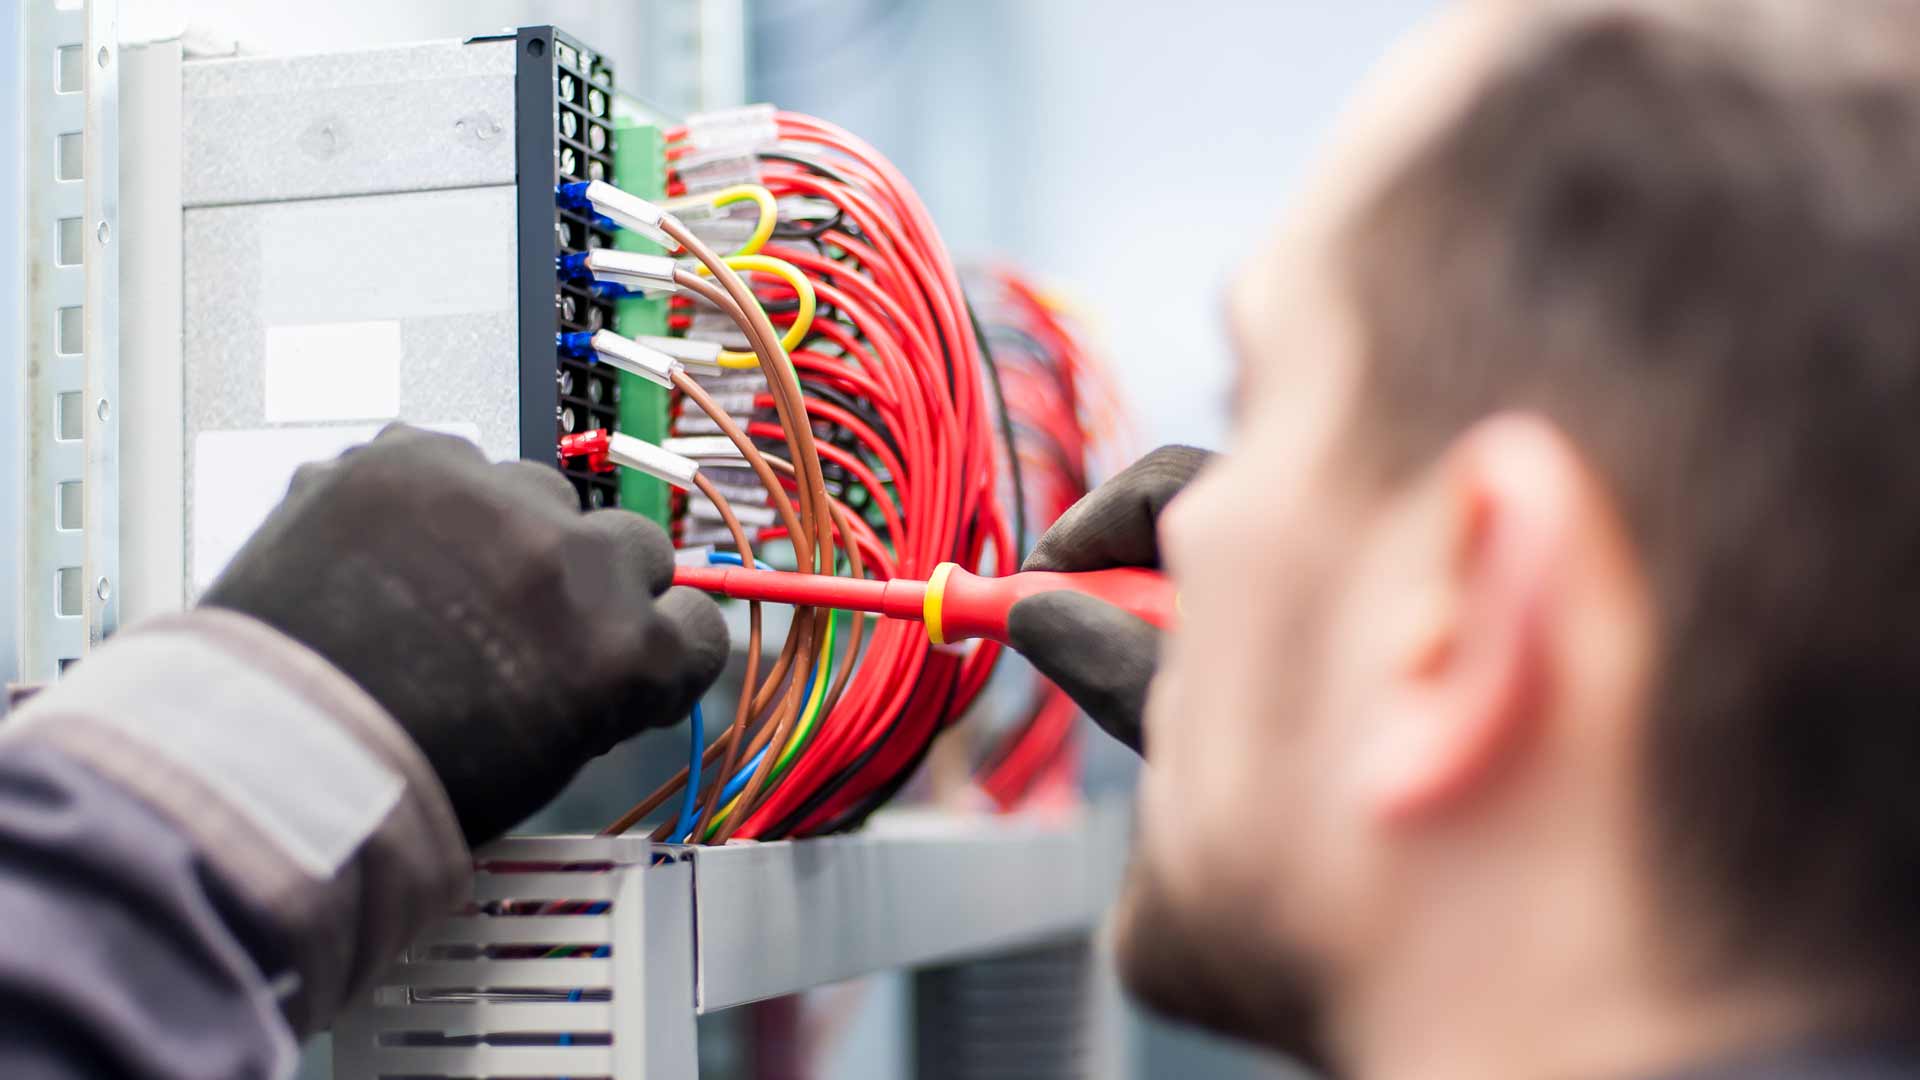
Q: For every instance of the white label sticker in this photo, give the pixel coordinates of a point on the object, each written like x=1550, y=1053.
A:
x=333, y=371
x=240, y=476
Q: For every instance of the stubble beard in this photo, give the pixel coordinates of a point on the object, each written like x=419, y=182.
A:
x=1201, y=969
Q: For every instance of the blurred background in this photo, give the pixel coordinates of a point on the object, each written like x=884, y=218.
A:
x=1130, y=154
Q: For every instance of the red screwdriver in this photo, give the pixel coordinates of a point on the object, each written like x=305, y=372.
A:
x=954, y=604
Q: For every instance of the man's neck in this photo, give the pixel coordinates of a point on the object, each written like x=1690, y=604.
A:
x=1564, y=987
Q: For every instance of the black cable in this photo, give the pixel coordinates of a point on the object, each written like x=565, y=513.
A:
x=860, y=408
x=1006, y=434
x=788, y=230
x=812, y=164
x=858, y=813
x=819, y=168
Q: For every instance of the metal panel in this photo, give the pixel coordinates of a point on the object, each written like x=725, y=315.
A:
x=435, y=265
x=914, y=888
x=653, y=978
x=408, y=118
x=362, y=191
x=152, y=488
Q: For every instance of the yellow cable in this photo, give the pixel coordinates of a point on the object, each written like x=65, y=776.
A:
x=729, y=196
x=769, y=213
x=803, y=319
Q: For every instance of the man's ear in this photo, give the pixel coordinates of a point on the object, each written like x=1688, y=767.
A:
x=1470, y=677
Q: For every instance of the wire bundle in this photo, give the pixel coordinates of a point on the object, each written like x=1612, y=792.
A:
x=1064, y=423
x=870, y=430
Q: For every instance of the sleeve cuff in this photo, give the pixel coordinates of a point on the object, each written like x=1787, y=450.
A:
x=302, y=793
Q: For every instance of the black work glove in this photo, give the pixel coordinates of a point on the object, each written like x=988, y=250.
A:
x=1101, y=656
x=512, y=636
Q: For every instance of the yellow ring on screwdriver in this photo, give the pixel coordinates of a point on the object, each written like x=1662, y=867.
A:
x=803, y=319
x=936, y=597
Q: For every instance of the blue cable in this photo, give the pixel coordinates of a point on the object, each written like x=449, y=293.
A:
x=739, y=781
x=601, y=953
x=728, y=558
x=698, y=737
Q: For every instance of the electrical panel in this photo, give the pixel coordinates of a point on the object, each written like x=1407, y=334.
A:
x=372, y=235
x=323, y=244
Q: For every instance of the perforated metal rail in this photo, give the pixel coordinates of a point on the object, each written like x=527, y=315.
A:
x=591, y=957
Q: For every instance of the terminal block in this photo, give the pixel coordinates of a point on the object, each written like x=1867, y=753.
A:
x=564, y=132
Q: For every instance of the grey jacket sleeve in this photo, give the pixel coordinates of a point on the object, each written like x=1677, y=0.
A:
x=209, y=837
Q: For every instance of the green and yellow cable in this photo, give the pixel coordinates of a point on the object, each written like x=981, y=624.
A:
x=802, y=731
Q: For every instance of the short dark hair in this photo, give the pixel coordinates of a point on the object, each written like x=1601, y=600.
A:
x=1693, y=243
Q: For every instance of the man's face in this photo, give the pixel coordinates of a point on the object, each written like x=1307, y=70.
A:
x=1254, y=854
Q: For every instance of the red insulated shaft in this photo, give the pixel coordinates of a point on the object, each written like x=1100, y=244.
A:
x=954, y=604
x=901, y=598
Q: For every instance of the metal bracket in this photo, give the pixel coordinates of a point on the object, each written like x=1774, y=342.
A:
x=101, y=539
x=70, y=451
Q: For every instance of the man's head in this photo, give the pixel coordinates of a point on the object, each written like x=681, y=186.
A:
x=1553, y=599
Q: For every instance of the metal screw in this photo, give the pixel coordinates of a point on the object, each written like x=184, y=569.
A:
x=102, y=233
x=101, y=590
x=102, y=57
x=101, y=410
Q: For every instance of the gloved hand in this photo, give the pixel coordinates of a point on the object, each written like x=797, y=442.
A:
x=1101, y=656
x=510, y=635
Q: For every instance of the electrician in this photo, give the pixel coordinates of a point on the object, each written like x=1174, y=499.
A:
x=1544, y=698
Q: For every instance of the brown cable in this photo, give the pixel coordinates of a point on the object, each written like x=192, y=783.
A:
x=751, y=702
x=777, y=367
x=790, y=405
x=800, y=633
x=745, y=548
x=813, y=548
